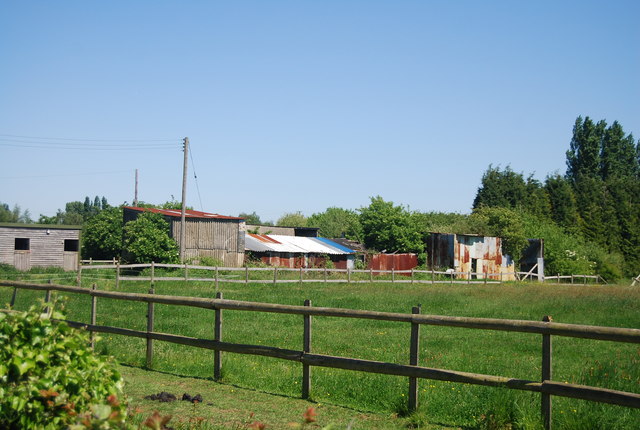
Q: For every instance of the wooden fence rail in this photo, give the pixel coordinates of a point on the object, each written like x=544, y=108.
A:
x=367, y=276
x=546, y=387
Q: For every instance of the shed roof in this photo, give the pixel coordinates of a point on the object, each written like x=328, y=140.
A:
x=188, y=213
x=293, y=244
x=41, y=226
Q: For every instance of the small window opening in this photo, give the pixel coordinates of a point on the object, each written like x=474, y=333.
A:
x=71, y=245
x=22, y=244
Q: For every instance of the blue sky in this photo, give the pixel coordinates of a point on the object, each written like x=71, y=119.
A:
x=301, y=105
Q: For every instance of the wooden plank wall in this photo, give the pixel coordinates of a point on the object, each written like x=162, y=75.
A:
x=217, y=238
x=46, y=250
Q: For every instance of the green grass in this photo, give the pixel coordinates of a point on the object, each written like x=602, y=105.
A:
x=605, y=364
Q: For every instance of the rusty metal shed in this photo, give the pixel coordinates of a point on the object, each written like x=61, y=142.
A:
x=207, y=234
x=471, y=254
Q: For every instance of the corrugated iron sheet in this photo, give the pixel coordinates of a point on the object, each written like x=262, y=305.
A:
x=393, y=261
x=187, y=213
x=293, y=244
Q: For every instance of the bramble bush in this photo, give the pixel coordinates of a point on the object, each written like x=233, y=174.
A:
x=50, y=378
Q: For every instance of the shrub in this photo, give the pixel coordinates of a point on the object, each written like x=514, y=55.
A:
x=147, y=239
x=49, y=377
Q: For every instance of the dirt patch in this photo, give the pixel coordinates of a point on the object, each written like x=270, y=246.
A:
x=163, y=396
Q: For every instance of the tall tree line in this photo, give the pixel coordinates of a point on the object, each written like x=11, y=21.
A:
x=598, y=197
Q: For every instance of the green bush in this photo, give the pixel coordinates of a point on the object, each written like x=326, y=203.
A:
x=147, y=239
x=50, y=379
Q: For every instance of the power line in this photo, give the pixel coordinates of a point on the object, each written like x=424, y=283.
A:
x=91, y=140
x=67, y=146
x=196, y=178
x=116, y=144
x=113, y=172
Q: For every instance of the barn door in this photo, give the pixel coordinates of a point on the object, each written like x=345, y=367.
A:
x=22, y=253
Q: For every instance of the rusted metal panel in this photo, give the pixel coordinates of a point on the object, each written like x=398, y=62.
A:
x=393, y=261
x=177, y=213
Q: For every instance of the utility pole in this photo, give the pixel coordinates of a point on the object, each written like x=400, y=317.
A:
x=183, y=231
x=135, y=195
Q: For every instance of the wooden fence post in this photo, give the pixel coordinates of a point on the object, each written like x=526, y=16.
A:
x=275, y=275
x=451, y=278
x=433, y=276
x=412, y=275
x=413, y=360
x=547, y=374
x=118, y=275
x=153, y=274
x=469, y=277
x=571, y=279
x=13, y=297
x=348, y=275
x=246, y=275
x=47, y=299
x=393, y=275
x=306, y=348
x=325, y=275
x=186, y=272
x=558, y=280
x=485, y=277
x=216, y=276
x=79, y=278
x=150, y=309
x=300, y=274
x=217, y=336
x=93, y=316
x=371, y=274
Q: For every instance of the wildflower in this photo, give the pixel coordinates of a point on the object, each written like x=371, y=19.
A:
x=309, y=415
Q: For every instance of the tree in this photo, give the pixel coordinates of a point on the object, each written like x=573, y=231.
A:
x=564, y=210
x=389, y=227
x=536, y=200
x=618, y=154
x=337, y=222
x=76, y=213
x=583, y=156
x=501, y=188
x=250, y=218
x=102, y=235
x=292, y=219
x=14, y=215
x=146, y=240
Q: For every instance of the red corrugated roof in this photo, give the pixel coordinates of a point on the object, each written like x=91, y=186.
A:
x=263, y=238
x=187, y=213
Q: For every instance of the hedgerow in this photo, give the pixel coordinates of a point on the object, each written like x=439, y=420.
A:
x=50, y=378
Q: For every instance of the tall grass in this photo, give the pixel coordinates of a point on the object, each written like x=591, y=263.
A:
x=605, y=364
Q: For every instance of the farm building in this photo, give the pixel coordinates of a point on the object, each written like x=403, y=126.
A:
x=283, y=231
x=297, y=251
x=478, y=255
x=39, y=245
x=207, y=235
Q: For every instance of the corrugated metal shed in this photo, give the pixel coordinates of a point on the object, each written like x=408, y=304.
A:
x=293, y=244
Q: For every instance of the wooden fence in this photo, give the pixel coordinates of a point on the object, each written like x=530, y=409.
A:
x=546, y=328
x=288, y=275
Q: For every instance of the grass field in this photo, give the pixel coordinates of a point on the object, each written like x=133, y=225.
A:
x=605, y=364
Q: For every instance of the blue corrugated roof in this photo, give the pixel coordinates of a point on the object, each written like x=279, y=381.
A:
x=335, y=245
